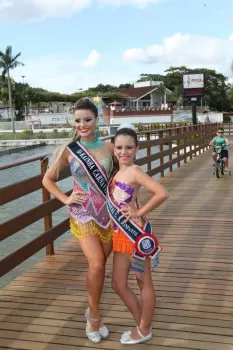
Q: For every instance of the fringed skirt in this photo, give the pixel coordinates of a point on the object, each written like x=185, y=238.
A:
x=81, y=230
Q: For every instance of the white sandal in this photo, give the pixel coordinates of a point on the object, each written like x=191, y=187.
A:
x=95, y=336
x=127, y=340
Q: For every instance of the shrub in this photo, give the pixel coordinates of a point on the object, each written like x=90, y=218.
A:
x=226, y=119
x=40, y=135
x=26, y=134
x=55, y=133
x=63, y=134
x=71, y=133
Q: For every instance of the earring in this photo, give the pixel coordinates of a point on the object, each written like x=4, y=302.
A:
x=96, y=135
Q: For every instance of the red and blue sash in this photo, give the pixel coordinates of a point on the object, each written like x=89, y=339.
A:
x=146, y=245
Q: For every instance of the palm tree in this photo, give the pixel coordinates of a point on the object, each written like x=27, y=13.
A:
x=8, y=62
x=177, y=93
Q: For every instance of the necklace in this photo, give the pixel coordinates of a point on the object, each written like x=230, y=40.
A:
x=97, y=142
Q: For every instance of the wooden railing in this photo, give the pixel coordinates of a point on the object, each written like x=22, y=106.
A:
x=197, y=138
x=228, y=129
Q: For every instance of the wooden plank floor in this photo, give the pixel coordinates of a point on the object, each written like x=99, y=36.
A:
x=44, y=308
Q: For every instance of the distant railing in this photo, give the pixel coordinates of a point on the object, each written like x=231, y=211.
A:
x=228, y=129
x=188, y=141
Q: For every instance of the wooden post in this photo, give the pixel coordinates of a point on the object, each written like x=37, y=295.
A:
x=48, y=218
x=190, y=140
x=170, y=147
x=148, y=152
x=178, y=131
x=185, y=151
x=205, y=134
x=199, y=138
x=161, y=150
x=195, y=145
x=204, y=141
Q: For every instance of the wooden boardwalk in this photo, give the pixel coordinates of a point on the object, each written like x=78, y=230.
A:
x=44, y=308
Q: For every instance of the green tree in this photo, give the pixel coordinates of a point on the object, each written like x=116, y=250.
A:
x=162, y=91
x=177, y=93
x=153, y=77
x=101, y=88
x=3, y=91
x=230, y=96
x=8, y=62
x=125, y=86
x=114, y=95
x=216, y=85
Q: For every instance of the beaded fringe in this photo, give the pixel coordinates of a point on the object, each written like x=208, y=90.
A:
x=90, y=228
x=121, y=243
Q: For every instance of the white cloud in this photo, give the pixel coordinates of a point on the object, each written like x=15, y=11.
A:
x=40, y=9
x=138, y=3
x=185, y=49
x=92, y=59
x=57, y=73
x=231, y=37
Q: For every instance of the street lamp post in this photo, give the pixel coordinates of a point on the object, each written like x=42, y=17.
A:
x=25, y=106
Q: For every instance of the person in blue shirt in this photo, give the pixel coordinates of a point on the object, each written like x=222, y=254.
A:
x=221, y=140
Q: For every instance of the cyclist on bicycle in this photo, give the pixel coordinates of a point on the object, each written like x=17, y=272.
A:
x=221, y=140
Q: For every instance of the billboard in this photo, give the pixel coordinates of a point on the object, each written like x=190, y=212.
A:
x=193, y=81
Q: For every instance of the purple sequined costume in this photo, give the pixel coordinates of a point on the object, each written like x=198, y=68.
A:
x=122, y=194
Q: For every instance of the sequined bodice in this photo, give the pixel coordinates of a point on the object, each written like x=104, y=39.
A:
x=103, y=157
x=122, y=193
x=94, y=206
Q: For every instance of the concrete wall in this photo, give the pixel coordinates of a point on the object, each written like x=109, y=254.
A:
x=7, y=126
x=52, y=119
x=143, y=119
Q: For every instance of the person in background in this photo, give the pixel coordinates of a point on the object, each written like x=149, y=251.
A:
x=221, y=140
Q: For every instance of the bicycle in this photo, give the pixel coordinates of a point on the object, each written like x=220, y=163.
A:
x=219, y=164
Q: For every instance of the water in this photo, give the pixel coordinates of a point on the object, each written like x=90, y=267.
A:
x=16, y=207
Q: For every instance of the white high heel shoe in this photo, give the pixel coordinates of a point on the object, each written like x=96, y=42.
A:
x=95, y=336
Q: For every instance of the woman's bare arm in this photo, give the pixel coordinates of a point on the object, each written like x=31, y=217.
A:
x=49, y=182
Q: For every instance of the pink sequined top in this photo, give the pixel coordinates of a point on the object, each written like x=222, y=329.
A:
x=94, y=208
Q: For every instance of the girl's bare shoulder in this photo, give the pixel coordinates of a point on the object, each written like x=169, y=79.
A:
x=109, y=146
x=135, y=169
x=132, y=173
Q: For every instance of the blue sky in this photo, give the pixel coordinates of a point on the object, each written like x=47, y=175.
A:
x=72, y=44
